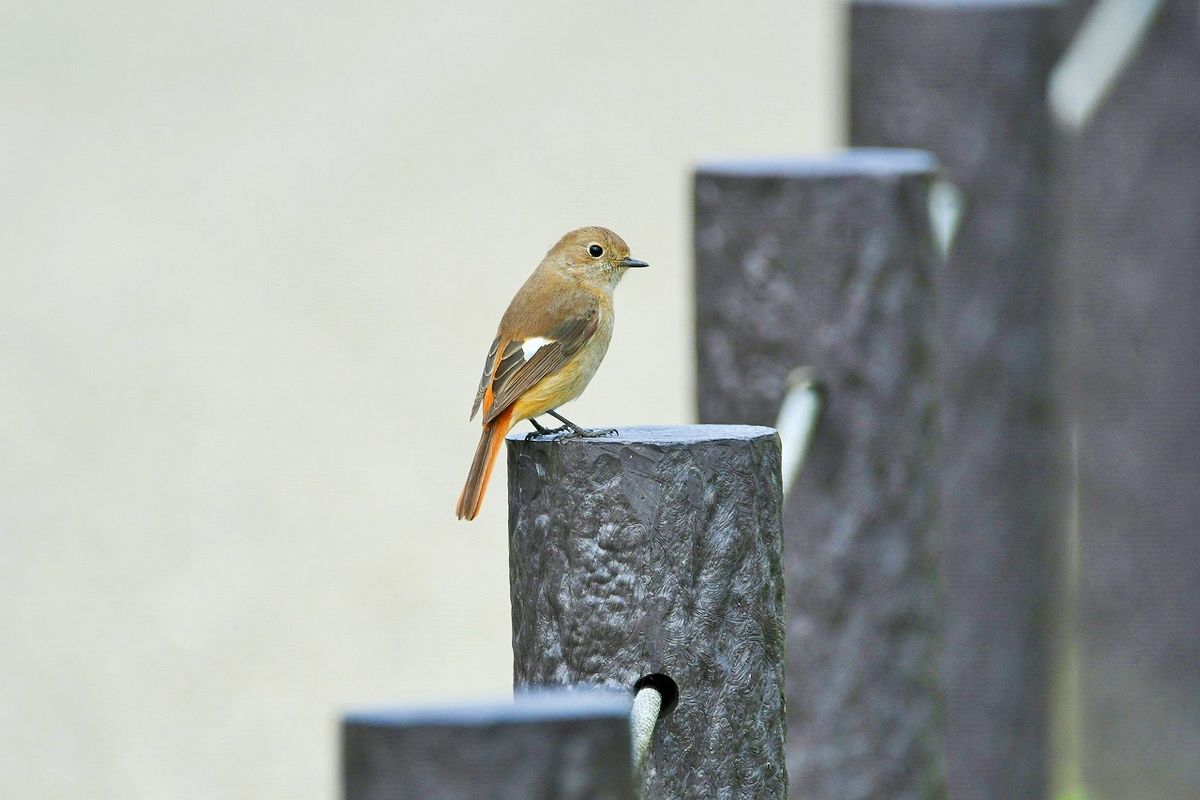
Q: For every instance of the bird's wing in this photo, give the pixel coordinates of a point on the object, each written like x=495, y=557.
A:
x=517, y=363
x=489, y=369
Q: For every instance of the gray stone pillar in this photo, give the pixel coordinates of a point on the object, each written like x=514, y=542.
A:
x=658, y=552
x=561, y=745
x=1131, y=190
x=826, y=263
x=967, y=81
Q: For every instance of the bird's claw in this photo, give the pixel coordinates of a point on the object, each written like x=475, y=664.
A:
x=564, y=432
x=547, y=434
x=599, y=432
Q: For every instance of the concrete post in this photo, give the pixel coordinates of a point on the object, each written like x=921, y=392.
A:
x=967, y=81
x=1131, y=192
x=657, y=552
x=826, y=263
x=561, y=745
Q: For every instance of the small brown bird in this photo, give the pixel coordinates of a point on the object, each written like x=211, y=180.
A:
x=550, y=342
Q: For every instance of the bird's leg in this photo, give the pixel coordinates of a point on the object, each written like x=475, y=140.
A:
x=573, y=430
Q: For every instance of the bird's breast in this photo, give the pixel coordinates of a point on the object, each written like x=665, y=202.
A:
x=569, y=382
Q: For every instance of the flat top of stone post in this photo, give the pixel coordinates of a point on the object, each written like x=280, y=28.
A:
x=858, y=161
x=532, y=706
x=665, y=434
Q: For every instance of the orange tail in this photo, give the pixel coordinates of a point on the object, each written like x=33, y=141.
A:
x=471, y=497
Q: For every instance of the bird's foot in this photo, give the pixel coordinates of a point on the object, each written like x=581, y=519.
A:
x=564, y=432
x=582, y=433
x=591, y=433
x=560, y=434
x=547, y=434
x=574, y=430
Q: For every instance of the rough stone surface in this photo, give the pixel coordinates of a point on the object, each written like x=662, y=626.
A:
x=825, y=263
x=1131, y=185
x=967, y=81
x=658, y=551
x=554, y=746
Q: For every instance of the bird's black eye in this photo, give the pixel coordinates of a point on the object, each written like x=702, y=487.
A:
x=596, y=251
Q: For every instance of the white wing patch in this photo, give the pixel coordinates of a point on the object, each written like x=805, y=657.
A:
x=533, y=344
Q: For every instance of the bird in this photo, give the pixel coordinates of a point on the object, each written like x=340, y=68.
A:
x=548, y=346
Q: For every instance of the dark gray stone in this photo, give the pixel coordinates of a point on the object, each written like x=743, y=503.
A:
x=658, y=551
x=1131, y=185
x=825, y=263
x=967, y=81
x=548, y=746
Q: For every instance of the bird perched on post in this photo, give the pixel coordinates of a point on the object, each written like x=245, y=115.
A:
x=550, y=342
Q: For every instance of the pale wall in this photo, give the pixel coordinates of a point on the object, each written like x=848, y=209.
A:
x=251, y=258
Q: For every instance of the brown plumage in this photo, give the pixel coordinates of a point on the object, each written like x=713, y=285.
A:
x=549, y=343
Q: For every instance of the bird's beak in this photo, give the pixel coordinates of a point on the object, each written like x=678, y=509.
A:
x=632, y=262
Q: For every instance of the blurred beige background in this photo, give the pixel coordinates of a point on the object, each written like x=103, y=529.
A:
x=251, y=258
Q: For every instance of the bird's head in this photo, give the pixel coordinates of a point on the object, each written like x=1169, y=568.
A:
x=593, y=254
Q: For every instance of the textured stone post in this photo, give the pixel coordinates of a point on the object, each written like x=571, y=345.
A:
x=658, y=552
x=967, y=81
x=1131, y=190
x=825, y=263
x=561, y=745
